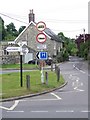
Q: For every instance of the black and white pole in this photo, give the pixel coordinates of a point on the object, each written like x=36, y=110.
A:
x=42, y=75
x=21, y=78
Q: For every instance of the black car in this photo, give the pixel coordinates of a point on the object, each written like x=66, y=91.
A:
x=49, y=61
x=33, y=61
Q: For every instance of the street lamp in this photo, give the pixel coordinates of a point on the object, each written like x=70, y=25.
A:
x=84, y=35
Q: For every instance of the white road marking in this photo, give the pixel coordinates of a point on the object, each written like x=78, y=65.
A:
x=82, y=71
x=66, y=111
x=39, y=111
x=40, y=100
x=15, y=111
x=85, y=111
x=79, y=69
x=56, y=96
x=11, y=108
x=78, y=89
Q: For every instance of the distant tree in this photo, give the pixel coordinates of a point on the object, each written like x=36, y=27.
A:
x=21, y=29
x=2, y=29
x=11, y=32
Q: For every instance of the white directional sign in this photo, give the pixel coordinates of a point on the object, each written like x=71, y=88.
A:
x=41, y=37
x=41, y=46
x=13, y=49
x=17, y=49
x=42, y=55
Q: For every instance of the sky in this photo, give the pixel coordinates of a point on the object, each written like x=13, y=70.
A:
x=67, y=16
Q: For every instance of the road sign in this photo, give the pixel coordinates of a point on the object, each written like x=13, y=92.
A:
x=42, y=55
x=41, y=46
x=13, y=49
x=41, y=37
x=41, y=26
x=17, y=49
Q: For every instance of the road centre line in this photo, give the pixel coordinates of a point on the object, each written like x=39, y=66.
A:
x=56, y=96
x=85, y=111
x=16, y=111
x=38, y=111
x=65, y=111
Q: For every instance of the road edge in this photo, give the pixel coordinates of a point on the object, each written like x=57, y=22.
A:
x=32, y=95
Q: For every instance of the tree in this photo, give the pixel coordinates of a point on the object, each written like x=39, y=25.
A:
x=69, y=44
x=2, y=29
x=11, y=32
x=21, y=29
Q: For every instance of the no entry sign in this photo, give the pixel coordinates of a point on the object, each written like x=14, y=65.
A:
x=41, y=37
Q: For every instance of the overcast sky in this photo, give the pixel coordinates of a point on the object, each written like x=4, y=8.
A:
x=67, y=16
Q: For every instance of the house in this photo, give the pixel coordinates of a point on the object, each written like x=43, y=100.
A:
x=81, y=39
x=28, y=36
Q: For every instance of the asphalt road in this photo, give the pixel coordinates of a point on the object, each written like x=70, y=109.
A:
x=68, y=102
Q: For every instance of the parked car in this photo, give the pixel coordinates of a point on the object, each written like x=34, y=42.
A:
x=33, y=61
x=49, y=61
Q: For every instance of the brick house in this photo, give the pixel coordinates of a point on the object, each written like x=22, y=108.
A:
x=28, y=35
x=81, y=39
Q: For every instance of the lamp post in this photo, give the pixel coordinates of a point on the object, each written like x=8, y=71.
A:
x=84, y=35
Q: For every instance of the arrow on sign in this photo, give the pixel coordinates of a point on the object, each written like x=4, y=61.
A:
x=42, y=55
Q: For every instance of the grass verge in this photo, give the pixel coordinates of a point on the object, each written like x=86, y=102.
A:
x=17, y=66
x=11, y=83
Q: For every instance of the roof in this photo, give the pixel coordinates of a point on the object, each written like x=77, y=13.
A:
x=52, y=35
x=47, y=32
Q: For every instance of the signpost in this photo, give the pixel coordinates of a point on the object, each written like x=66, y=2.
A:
x=21, y=50
x=41, y=38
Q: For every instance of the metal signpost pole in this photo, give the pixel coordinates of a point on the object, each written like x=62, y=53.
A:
x=21, y=80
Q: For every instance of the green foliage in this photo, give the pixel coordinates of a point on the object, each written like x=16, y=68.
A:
x=84, y=50
x=21, y=29
x=62, y=56
x=70, y=47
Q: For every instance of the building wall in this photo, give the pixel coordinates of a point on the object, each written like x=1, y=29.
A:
x=6, y=57
x=30, y=36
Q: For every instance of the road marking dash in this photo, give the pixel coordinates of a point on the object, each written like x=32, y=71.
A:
x=56, y=96
x=39, y=111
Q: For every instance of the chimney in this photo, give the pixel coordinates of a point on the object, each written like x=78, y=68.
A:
x=31, y=16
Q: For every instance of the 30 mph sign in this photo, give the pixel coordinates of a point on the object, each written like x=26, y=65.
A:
x=41, y=26
x=41, y=37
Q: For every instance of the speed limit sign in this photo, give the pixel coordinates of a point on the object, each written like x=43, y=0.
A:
x=41, y=26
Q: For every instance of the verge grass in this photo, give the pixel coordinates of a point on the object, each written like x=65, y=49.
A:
x=17, y=66
x=11, y=83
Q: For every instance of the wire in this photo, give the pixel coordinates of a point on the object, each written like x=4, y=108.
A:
x=13, y=18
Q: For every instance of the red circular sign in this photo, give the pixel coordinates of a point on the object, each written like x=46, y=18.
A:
x=41, y=26
x=41, y=37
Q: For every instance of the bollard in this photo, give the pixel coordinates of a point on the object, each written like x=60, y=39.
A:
x=56, y=67
x=51, y=66
x=58, y=74
x=28, y=81
x=46, y=76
